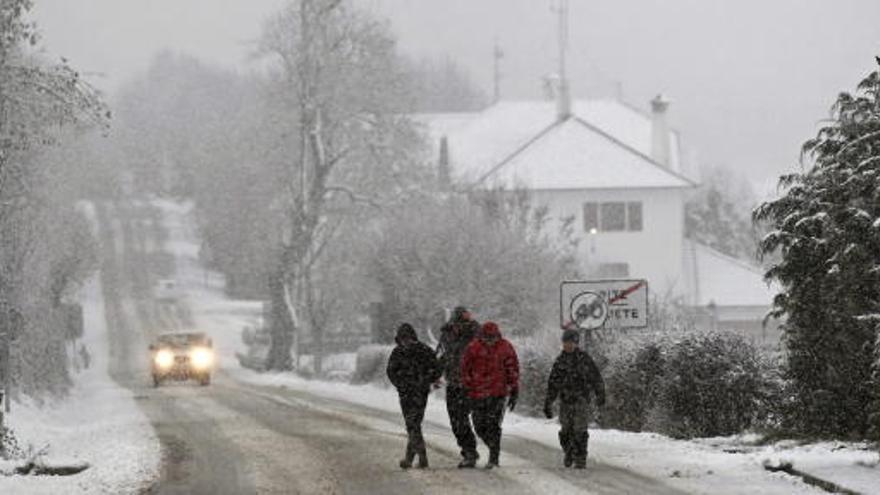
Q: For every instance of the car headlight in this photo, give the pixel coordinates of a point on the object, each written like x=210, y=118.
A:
x=202, y=358
x=164, y=358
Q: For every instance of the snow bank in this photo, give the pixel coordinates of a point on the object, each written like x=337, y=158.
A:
x=99, y=424
x=852, y=465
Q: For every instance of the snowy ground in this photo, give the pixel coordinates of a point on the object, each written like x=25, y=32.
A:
x=728, y=465
x=693, y=466
x=99, y=424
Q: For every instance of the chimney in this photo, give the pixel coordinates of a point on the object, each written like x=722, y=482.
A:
x=563, y=101
x=660, y=130
x=443, y=170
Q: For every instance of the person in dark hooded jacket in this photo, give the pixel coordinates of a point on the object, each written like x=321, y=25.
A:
x=573, y=379
x=455, y=336
x=412, y=369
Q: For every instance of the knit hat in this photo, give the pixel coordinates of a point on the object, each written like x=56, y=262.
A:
x=458, y=313
x=490, y=329
x=405, y=331
x=571, y=336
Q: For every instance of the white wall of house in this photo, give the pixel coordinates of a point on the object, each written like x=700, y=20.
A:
x=652, y=253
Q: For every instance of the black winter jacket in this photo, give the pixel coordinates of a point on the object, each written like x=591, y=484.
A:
x=454, y=339
x=575, y=375
x=412, y=368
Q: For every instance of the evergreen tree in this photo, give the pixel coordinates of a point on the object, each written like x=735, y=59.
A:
x=827, y=230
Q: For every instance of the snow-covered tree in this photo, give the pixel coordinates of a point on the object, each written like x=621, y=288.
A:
x=718, y=214
x=41, y=104
x=344, y=89
x=827, y=231
x=493, y=252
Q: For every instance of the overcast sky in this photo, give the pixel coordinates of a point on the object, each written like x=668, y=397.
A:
x=749, y=79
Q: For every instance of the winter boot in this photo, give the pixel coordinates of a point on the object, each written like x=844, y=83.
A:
x=565, y=442
x=493, y=459
x=407, y=460
x=423, y=458
x=469, y=461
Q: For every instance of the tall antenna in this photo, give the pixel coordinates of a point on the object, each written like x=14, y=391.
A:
x=564, y=98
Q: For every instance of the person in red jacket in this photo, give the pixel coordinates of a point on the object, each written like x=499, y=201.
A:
x=490, y=373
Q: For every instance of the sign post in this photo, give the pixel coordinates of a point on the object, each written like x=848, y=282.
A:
x=591, y=304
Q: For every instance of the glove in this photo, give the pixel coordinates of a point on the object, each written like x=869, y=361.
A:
x=511, y=401
x=548, y=410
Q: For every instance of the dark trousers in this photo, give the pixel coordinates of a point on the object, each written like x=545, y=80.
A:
x=458, y=405
x=574, y=417
x=413, y=404
x=488, y=415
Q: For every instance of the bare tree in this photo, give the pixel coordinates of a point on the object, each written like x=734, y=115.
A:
x=344, y=87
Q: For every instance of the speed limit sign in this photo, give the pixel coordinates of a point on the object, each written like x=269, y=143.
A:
x=592, y=304
x=588, y=311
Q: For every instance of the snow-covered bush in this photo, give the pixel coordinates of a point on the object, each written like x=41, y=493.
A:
x=632, y=383
x=712, y=385
x=694, y=384
x=874, y=415
x=536, y=355
x=9, y=446
x=370, y=364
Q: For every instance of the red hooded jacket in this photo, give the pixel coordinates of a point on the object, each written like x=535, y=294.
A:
x=490, y=370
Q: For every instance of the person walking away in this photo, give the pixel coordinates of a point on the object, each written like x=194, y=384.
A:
x=490, y=372
x=573, y=378
x=412, y=368
x=455, y=336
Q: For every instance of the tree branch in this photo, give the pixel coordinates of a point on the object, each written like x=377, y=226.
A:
x=354, y=197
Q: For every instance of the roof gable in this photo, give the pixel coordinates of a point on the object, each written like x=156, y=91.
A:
x=521, y=142
x=575, y=155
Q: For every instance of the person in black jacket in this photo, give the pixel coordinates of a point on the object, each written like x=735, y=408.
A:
x=455, y=336
x=573, y=378
x=412, y=369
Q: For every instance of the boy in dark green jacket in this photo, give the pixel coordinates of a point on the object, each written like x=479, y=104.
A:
x=573, y=378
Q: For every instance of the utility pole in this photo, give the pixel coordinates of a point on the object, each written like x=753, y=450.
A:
x=497, y=55
x=3, y=373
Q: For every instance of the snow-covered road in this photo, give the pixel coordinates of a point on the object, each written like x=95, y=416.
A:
x=235, y=437
x=277, y=433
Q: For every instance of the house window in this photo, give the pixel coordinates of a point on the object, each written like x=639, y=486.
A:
x=613, y=216
x=634, y=216
x=612, y=270
x=591, y=217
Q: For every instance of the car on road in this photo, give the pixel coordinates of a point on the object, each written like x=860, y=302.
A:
x=166, y=290
x=182, y=356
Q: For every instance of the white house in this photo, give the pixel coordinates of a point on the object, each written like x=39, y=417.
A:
x=620, y=173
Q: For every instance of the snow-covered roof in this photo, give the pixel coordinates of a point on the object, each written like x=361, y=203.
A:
x=725, y=281
x=574, y=155
x=606, y=144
